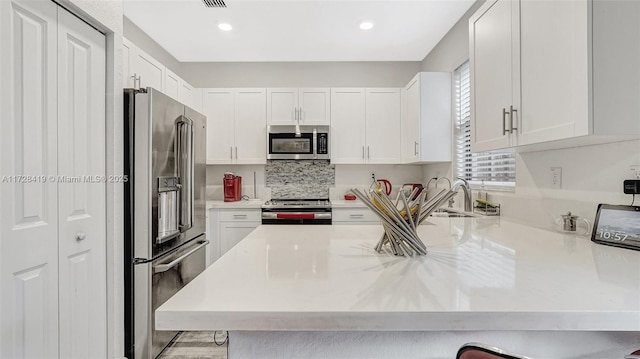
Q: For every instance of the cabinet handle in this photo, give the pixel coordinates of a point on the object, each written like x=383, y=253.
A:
x=80, y=236
x=356, y=215
x=368, y=152
x=504, y=121
x=231, y=152
x=415, y=148
x=512, y=111
x=239, y=216
x=136, y=78
x=362, y=152
x=236, y=152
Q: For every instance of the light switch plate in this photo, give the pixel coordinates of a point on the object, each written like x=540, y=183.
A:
x=556, y=177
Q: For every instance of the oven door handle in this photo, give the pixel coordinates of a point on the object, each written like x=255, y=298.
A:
x=296, y=215
x=166, y=266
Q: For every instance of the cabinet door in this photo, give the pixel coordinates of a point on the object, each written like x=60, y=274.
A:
x=250, y=127
x=231, y=233
x=554, y=70
x=218, y=106
x=348, y=125
x=315, y=106
x=28, y=211
x=188, y=95
x=383, y=125
x=172, y=84
x=82, y=216
x=213, y=235
x=411, y=125
x=151, y=71
x=492, y=65
x=282, y=105
x=127, y=75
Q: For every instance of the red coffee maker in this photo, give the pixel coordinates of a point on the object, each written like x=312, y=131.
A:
x=232, y=187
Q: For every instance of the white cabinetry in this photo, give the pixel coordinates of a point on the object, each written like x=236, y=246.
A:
x=291, y=106
x=236, y=125
x=142, y=69
x=426, y=122
x=53, y=275
x=365, y=125
x=227, y=227
x=494, y=55
x=354, y=215
x=553, y=74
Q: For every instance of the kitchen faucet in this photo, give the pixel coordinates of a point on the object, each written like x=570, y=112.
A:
x=461, y=183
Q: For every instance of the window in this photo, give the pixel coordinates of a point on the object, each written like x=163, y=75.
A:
x=489, y=169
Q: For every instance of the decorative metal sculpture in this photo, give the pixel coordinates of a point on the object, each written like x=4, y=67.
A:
x=402, y=218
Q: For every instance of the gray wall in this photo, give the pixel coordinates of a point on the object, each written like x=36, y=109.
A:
x=453, y=49
x=140, y=38
x=299, y=74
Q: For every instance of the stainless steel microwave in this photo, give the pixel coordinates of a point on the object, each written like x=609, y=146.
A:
x=297, y=142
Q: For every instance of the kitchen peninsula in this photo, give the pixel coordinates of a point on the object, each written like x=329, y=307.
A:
x=322, y=292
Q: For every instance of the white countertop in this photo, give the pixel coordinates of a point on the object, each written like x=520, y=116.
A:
x=480, y=274
x=252, y=203
x=341, y=203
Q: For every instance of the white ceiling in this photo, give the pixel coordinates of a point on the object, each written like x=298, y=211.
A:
x=297, y=30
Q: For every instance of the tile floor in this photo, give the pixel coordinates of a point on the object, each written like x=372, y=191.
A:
x=196, y=345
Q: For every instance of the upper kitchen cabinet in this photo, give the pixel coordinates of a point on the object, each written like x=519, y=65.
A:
x=141, y=70
x=553, y=74
x=236, y=125
x=494, y=86
x=365, y=125
x=426, y=121
x=304, y=106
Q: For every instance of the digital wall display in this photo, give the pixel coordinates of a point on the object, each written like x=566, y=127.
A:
x=617, y=226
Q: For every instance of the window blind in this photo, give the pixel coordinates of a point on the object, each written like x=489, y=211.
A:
x=489, y=168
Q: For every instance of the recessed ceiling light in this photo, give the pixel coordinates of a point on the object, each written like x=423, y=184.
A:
x=224, y=26
x=366, y=25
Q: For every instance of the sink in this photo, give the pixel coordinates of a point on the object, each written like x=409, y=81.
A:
x=442, y=212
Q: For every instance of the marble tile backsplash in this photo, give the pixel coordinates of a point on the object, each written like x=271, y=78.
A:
x=299, y=179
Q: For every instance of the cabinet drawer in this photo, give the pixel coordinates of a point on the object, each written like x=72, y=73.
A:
x=240, y=215
x=354, y=215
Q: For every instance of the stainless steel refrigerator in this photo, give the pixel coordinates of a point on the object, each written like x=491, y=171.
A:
x=165, y=238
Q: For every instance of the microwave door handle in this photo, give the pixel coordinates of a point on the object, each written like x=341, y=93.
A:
x=185, y=164
x=315, y=143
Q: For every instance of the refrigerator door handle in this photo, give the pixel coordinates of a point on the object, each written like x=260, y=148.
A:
x=185, y=163
x=159, y=268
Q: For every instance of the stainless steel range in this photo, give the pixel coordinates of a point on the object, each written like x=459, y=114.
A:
x=296, y=211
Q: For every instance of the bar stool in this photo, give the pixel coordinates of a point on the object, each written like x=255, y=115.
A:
x=481, y=351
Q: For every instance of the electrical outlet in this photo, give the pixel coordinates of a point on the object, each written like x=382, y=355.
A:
x=556, y=177
x=635, y=171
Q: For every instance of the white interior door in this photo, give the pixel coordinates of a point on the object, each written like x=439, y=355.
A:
x=28, y=211
x=82, y=201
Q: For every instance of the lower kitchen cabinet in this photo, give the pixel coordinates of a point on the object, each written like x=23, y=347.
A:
x=354, y=215
x=227, y=227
